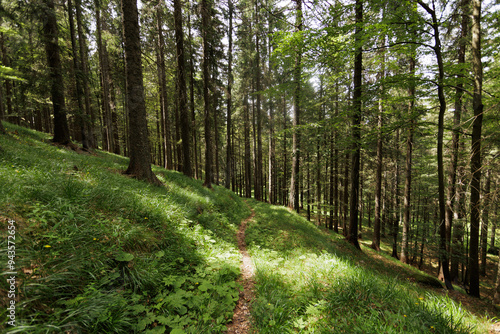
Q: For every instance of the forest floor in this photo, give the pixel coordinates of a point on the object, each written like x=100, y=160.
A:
x=99, y=252
x=478, y=306
x=241, y=318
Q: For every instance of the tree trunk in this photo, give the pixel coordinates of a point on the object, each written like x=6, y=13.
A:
x=80, y=117
x=248, y=163
x=475, y=187
x=140, y=155
x=229, y=170
x=356, y=127
x=443, y=254
x=205, y=17
x=293, y=201
x=51, y=36
x=455, y=140
x=87, y=130
x=185, y=118
x=409, y=151
x=162, y=83
x=396, y=219
x=191, y=97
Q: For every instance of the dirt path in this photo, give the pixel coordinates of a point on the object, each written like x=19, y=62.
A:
x=241, y=317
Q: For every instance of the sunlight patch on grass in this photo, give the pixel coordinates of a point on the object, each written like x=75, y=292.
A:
x=95, y=246
x=310, y=282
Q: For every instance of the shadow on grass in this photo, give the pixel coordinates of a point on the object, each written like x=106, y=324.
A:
x=309, y=281
x=87, y=234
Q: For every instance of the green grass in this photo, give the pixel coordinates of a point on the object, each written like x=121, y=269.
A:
x=99, y=252
x=308, y=281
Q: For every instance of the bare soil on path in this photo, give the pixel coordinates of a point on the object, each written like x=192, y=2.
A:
x=241, y=317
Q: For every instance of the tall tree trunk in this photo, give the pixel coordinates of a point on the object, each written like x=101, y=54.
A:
x=404, y=257
x=258, y=162
x=248, y=163
x=191, y=97
x=293, y=201
x=272, y=142
x=455, y=139
x=140, y=154
x=110, y=118
x=396, y=218
x=356, y=127
x=345, y=196
x=205, y=17
x=185, y=118
x=229, y=154
x=443, y=254
x=475, y=187
x=80, y=117
x=87, y=126
x=285, y=157
x=51, y=36
x=162, y=83
x=336, y=165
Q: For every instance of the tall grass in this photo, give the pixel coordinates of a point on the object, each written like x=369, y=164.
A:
x=310, y=282
x=100, y=252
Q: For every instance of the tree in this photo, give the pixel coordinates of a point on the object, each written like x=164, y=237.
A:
x=453, y=190
x=378, y=175
x=475, y=160
x=78, y=75
x=443, y=253
x=181, y=91
x=293, y=201
x=205, y=18
x=229, y=155
x=51, y=36
x=140, y=155
x=356, y=126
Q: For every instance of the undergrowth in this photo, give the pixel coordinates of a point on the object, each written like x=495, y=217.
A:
x=100, y=252
x=308, y=281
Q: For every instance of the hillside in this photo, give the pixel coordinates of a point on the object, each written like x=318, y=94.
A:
x=99, y=252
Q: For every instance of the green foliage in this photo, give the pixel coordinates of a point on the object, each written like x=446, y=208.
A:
x=308, y=281
x=100, y=252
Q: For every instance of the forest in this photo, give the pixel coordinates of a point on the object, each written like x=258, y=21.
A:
x=373, y=120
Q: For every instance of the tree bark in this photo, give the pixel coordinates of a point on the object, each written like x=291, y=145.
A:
x=455, y=139
x=409, y=152
x=356, y=127
x=185, y=118
x=140, y=154
x=443, y=253
x=88, y=130
x=206, y=93
x=80, y=117
x=293, y=201
x=51, y=36
x=475, y=187
x=229, y=156
x=162, y=83
x=191, y=103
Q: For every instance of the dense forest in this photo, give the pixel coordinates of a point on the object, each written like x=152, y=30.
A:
x=375, y=116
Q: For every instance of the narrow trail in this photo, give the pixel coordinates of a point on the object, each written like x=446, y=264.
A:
x=241, y=317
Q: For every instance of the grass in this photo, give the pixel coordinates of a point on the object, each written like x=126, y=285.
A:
x=99, y=252
x=308, y=281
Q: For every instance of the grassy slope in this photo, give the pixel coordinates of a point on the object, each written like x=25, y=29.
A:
x=100, y=252
x=308, y=281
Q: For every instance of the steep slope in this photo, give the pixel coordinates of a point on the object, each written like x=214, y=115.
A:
x=97, y=251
